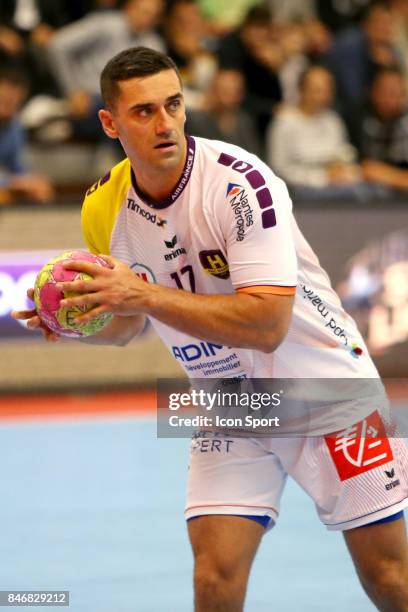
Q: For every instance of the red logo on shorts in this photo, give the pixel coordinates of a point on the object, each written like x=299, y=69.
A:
x=360, y=448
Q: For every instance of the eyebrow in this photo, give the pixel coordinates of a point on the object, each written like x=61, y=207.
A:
x=143, y=105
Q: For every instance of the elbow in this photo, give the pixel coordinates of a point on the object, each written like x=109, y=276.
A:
x=269, y=342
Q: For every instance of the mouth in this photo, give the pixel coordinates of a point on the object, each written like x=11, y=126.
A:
x=165, y=146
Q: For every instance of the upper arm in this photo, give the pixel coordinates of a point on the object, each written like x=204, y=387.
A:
x=256, y=221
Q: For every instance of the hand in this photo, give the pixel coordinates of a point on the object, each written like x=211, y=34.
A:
x=341, y=173
x=376, y=171
x=42, y=35
x=33, y=320
x=80, y=104
x=113, y=289
x=10, y=41
x=33, y=186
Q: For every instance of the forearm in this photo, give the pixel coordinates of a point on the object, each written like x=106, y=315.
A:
x=119, y=332
x=395, y=177
x=240, y=320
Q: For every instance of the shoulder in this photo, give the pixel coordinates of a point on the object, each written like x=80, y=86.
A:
x=225, y=167
x=110, y=187
x=225, y=159
x=103, y=201
x=288, y=115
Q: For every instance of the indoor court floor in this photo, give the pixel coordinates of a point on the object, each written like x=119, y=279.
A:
x=92, y=502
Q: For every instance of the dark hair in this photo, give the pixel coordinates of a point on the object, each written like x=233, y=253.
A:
x=131, y=63
x=260, y=14
x=390, y=71
x=15, y=76
x=383, y=5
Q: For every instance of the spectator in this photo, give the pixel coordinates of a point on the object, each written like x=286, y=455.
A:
x=338, y=16
x=25, y=33
x=358, y=53
x=308, y=145
x=294, y=45
x=15, y=180
x=80, y=50
x=222, y=117
x=400, y=14
x=253, y=50
x=223, y=16
x=383, y=137
x=186, y=39
x=292, y=10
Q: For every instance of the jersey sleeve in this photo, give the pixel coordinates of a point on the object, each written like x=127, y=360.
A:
x=255, y=214
x=101, y=206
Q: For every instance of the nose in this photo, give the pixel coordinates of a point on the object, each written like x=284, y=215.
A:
x=163, y=122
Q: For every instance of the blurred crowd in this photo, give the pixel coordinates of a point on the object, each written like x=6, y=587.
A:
x=316, y=88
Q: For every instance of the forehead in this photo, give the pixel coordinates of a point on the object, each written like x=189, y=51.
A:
x=318, y=76
x=389, y=80
x=152, y=89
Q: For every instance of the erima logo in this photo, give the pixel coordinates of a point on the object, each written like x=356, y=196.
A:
x=394, y=483
x=170, y=244
x=134, y=206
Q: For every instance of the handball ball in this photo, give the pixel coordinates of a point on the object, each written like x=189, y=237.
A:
x=47, y=297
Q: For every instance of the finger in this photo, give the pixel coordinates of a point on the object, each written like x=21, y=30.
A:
x=111, y=261
x=98, y=310
x=49, y=335
x=86, y=299
x=78, y=286
x=30, y=294
x=35, y=323
x=83, y=266
x=23, y=314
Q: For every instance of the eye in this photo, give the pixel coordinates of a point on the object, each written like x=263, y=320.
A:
x=174, y=104
x=144, y=112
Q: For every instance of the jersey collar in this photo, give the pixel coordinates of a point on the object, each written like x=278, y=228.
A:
x=181, y=185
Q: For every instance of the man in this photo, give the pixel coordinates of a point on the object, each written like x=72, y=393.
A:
x=381, y=133
x=15, y=179
x=78, y=52
x=253, y=50
x=226, y=274
x=358, y=53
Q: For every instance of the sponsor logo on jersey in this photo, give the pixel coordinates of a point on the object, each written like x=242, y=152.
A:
x=238, y=199
x=187, y=171
x=395, y=483
x=101, y=182
x=170, y=244
x=214, y=263
x=360, y=448
x=330, y=321
x=143, y=272
x=258, y=184
x=153, y=218
x=191, y=352
x=356, y=351
x=214, y=445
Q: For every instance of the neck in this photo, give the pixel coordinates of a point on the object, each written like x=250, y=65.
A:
x=307, y=109
x=158, y=184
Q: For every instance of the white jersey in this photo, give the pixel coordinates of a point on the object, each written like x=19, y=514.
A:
x=228, y=227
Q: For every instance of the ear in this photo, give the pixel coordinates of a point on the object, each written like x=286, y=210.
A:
x=108, y=123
